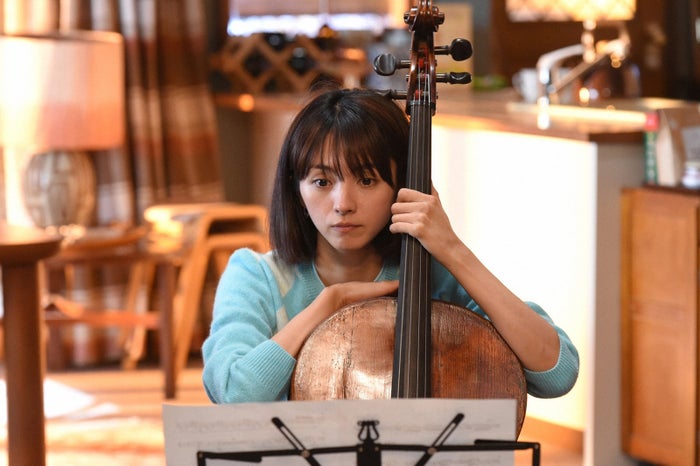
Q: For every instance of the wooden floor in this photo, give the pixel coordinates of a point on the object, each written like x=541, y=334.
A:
x=137, y=394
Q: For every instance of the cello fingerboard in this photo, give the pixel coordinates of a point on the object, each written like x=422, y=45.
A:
x=412, y=344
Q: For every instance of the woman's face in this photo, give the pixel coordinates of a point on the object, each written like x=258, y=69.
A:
x=348, y=211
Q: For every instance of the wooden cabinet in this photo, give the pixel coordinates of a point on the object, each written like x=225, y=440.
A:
x=660, y=325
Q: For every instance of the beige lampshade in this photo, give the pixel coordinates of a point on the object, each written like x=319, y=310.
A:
x=570, y=10
x=62, y=91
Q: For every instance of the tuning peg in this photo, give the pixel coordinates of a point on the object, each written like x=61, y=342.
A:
x=459, y=49
x=393, y=94
x=454, y=78
x=386, y=64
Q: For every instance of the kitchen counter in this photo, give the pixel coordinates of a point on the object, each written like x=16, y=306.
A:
x=484, y=110
x=503, y=111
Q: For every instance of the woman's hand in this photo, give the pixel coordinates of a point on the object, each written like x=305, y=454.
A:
x=342, y=294
x=423, y=217
x=292, y=336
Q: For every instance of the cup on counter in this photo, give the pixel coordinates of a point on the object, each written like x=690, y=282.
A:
x=526, y=84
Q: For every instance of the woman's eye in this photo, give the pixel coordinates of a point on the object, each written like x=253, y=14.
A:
x=367, y=181
x=321, y=183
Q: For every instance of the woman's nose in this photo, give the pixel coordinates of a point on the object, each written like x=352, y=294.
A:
x=344, y=199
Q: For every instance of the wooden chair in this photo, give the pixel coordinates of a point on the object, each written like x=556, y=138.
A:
x=122, y=248
x=143, y=263
x=209, y=233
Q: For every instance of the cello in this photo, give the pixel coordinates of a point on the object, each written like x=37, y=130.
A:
x=412, y=346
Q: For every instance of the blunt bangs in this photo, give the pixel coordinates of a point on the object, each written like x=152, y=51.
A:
x=349, y=143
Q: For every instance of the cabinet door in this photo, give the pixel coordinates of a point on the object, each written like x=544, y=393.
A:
x=659, y=326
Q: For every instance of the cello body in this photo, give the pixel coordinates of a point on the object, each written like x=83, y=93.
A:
x=351, y=356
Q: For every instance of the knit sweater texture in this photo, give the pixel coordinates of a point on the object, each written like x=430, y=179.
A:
x=258, y=294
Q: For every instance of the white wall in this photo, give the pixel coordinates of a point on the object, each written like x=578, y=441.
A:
x=512, y=203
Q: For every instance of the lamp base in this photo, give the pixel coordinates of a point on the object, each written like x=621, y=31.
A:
x=59, y=188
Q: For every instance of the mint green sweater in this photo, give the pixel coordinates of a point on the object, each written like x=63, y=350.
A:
x=257, y=295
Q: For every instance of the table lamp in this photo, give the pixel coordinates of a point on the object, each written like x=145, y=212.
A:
x=60, y=95
x=592, y=13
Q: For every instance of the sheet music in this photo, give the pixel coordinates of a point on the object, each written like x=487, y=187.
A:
x=322, y=424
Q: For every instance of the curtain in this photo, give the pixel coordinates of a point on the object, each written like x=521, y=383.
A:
x=171, y=153
x=172, y=140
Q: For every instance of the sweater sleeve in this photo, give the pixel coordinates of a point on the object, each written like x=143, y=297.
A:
x=551, y=383
x=241, y=362
x=561, y=378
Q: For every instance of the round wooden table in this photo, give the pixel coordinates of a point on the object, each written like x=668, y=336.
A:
x=21, y=249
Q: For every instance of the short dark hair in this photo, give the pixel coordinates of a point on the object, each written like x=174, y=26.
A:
x=356, y=129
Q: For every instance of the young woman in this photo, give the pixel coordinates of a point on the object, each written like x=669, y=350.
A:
x=338, y=209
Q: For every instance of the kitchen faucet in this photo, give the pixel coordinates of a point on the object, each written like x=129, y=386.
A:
x=552, y=79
